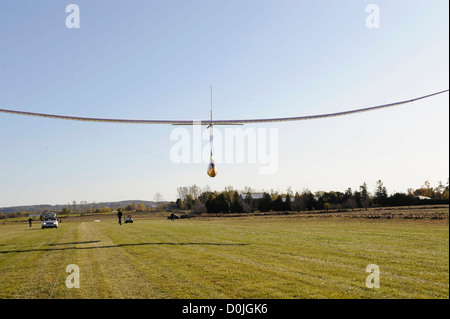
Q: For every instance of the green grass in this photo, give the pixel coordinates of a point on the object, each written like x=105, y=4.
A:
x=256, y=257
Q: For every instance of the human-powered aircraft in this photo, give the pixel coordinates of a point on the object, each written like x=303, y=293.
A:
x=212, y=170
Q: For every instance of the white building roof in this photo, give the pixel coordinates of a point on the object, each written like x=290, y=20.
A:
x=254, y=195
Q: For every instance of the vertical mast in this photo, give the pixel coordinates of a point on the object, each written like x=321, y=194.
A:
x=211, y=128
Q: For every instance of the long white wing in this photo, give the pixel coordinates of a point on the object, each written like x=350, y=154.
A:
x=219, y=122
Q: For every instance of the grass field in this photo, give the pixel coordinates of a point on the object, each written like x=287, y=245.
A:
x=253, y=257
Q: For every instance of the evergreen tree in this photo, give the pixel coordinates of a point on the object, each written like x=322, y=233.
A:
x=277, y=204
x=380, y=193
x=236, y=205
x=287, y=203
x=265, y=203
x=365, y=196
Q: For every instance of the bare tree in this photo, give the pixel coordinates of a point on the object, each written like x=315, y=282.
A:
x=289, y=191
x=74, y=205
x=247, y=189
x=298, y=204
x=183, y=192
x=247, y=208
x=195, y=191
x=83, y=207
x=228, y=188
x=350, y=203
x=158, y=198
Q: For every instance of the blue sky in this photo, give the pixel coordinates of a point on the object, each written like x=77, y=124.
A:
x=157, y=60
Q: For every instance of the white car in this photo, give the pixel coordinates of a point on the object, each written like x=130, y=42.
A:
x=49, y=221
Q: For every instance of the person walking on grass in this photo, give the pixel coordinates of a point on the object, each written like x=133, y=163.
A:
x=30, y=221
x=119, y=215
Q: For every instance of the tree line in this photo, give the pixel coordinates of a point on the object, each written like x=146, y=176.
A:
x=83, y=208
x=233, y=201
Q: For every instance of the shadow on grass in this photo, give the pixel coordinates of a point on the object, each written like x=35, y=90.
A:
x=77, y=242
x=112, y=246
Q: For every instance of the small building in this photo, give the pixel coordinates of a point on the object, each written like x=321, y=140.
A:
x=171, y=206
x=255, y=196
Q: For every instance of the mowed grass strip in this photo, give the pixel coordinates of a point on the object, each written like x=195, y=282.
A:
x=227, y=258
x=28, y=264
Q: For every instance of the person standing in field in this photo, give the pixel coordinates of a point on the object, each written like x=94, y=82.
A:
x=119, y=215
x=30, y=221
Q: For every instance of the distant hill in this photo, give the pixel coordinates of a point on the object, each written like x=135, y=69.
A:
x=45, y=207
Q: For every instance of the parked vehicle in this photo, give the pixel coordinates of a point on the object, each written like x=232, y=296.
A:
x=49, y=221
x=173, y=216
x=128, y=219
